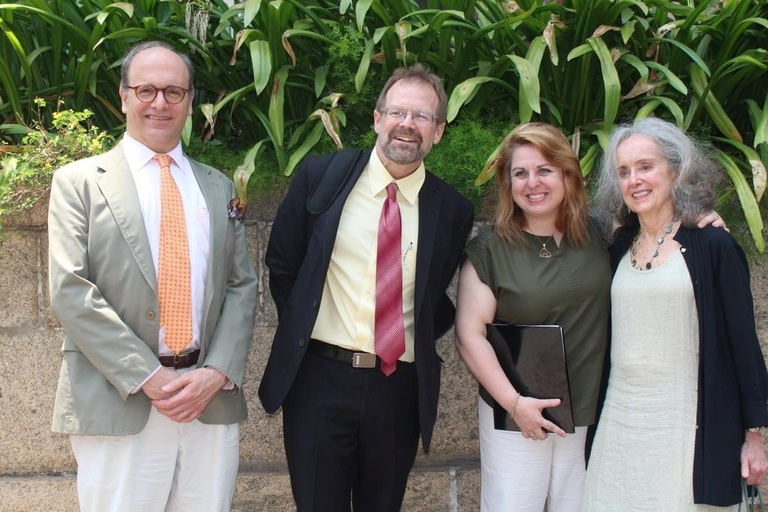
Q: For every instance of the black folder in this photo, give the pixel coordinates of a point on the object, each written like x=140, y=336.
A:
x=533, y=358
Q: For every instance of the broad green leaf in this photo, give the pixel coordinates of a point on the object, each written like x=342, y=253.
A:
x=636, y=63
x=186, y=131
x=589, y=160
x=529, y=88
x=250, y=11
x=712, y=105
x=611, y=80
x=365, y=63
x=361, y=9
x=672, y=106
x=627, y=30
x=379, y=33
x=126, y=7
x=487, y=171
x=602, y=137
x=295, y=32
x=276, y=105
x=690, y=53
x=298, y=155
x=243, y=172
x=758, y=169
x=579, y=51
x=463, y=92
x=8, y=87
x=321, y=78
x=759, y=120
x=671, y=78
x=14, y=129
x=528, y=70
x=233, y=96
x=746, y=198
x=261, y=63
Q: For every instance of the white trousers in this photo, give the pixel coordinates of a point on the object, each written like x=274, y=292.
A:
x=521, y=475
x=167, y=467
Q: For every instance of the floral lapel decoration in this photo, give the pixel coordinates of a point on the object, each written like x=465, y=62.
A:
x=236, y=209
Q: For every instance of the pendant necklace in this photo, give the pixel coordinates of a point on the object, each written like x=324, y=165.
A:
x=659, y=241
x=544, y=252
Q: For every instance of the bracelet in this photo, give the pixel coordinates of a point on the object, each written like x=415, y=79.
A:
x=514, y=407
x=756, y=430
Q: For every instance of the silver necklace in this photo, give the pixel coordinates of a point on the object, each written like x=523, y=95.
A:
x=659, y=241
x=544, y=252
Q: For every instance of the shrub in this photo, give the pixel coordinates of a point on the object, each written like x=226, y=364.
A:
x=25, y=173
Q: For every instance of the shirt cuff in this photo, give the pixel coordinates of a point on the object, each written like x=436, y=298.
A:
x=138, y=388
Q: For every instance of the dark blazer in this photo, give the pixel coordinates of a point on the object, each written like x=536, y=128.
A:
x=298, y=256
x=733, y=382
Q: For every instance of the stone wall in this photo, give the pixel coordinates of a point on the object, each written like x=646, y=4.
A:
x=37, y=467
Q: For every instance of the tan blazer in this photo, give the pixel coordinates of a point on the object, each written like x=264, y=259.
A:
x=103, y=289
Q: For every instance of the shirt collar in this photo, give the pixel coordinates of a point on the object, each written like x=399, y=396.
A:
x=409, y=186
x=138, y=155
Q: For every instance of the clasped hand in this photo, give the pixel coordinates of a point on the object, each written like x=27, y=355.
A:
x=183, y=398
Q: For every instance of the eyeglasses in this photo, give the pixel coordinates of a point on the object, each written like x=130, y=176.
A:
x=147, y=93
x=418, y=116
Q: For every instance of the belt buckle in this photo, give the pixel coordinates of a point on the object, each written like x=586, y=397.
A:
x=180, y=359
x=363, y=360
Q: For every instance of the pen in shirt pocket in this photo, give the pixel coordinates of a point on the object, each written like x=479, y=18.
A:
x=407, y=250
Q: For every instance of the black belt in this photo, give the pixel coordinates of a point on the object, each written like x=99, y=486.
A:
x=355, y=359
x=183, y=360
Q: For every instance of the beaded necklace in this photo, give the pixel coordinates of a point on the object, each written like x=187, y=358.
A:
x=659, y=241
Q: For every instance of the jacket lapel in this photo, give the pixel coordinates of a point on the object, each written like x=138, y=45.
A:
x=429, y=213
x=216, y=203
x=119, y=191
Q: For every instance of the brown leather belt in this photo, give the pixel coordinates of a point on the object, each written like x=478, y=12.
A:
x=355, y=359
x=183, y=360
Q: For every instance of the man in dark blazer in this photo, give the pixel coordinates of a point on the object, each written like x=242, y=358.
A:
x=351, y=430
x=152, y=429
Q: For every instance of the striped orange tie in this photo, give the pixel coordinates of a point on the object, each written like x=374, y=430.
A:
x=174, y=291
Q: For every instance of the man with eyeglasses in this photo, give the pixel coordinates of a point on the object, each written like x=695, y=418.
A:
x=154, y=289
x=354, y=362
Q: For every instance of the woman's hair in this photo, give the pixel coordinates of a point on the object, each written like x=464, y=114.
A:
x=417, y=73
x=572, y=219
x=693, y=188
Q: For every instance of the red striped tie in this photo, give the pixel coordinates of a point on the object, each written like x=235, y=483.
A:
x=389, y=330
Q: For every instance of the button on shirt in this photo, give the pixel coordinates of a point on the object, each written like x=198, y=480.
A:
x=347, y=309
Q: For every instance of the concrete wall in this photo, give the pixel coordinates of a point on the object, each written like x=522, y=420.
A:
x=37, y=467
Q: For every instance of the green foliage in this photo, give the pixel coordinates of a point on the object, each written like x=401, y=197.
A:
x=463, y=150
x=586, y=66
x=289, y=77
x=25, y=174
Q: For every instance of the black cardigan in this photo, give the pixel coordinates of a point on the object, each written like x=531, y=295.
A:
x=733, y=382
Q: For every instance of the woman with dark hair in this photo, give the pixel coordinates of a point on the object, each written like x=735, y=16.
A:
x=541, y=262
x=687, y=386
